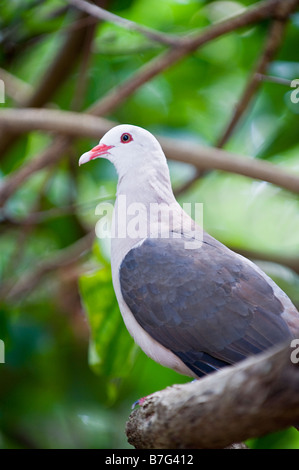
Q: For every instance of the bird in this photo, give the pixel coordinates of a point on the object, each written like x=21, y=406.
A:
x=190, y=303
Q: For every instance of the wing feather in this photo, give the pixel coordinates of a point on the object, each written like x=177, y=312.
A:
x=208, y=306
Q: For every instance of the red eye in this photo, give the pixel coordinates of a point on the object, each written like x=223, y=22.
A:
x=126, y=137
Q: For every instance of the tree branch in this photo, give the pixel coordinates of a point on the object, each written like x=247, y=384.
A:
x=253, y=398
x=67, y=256
x=218, y=159
x=48, y=157
x=16, y=88
x=61, y=66
x=114, y=98
x=56, y=73
x=189, y=44
x=272, y=44
x=102, y=14
x=84, y=125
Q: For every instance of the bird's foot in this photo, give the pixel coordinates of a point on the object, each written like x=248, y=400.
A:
x=139, y=402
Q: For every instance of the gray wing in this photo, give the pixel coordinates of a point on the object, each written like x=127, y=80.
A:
x=208, y=306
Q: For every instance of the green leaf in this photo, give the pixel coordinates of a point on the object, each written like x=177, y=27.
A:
x=111, y=347
x=284, y=137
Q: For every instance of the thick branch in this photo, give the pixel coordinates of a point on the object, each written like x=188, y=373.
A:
x=85, y=125
x=217, y=159
x=258, y=396
x=116, y=97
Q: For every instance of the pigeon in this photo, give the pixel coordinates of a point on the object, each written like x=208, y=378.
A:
x=189, y=302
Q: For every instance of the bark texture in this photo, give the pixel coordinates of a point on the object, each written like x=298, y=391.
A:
x=258, y=396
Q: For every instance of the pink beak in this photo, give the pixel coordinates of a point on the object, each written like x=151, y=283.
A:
x=96, y=152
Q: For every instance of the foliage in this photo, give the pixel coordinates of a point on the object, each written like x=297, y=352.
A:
x=71, y=369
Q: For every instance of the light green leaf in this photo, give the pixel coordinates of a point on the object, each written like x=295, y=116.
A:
x=111, y=348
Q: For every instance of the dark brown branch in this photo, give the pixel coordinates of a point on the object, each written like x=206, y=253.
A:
x=255, y=397
x=61, y=67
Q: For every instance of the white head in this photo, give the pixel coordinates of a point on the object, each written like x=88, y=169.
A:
x=128, y=148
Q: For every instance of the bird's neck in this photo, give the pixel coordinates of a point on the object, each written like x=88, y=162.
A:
x=146, y=186
x=139, y=208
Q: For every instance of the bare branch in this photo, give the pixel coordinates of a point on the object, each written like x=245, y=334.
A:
x=105, y=15
x=272, y=44
x=188, y=184
x=52, y=120
x=27, y=283
x=57, y=72
x=253, y=398
x=116, y=97
x=75, y=124
x=189, y=44
x=16, y=88
x=273, y=79
x=48, y=157
x=218, y=159
x=61, y=66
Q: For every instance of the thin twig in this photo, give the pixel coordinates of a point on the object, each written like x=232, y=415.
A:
x=15, y=88
x=29, y=281
x=57, y=72
x=100, y=13
x=81, y=84
x=49, y=156
x=60, y=68
x=273, y=79
x=272, y=44
x=188, y=45
x=188, y=184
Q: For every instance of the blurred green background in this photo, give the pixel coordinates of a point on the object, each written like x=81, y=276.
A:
x=71, y=370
